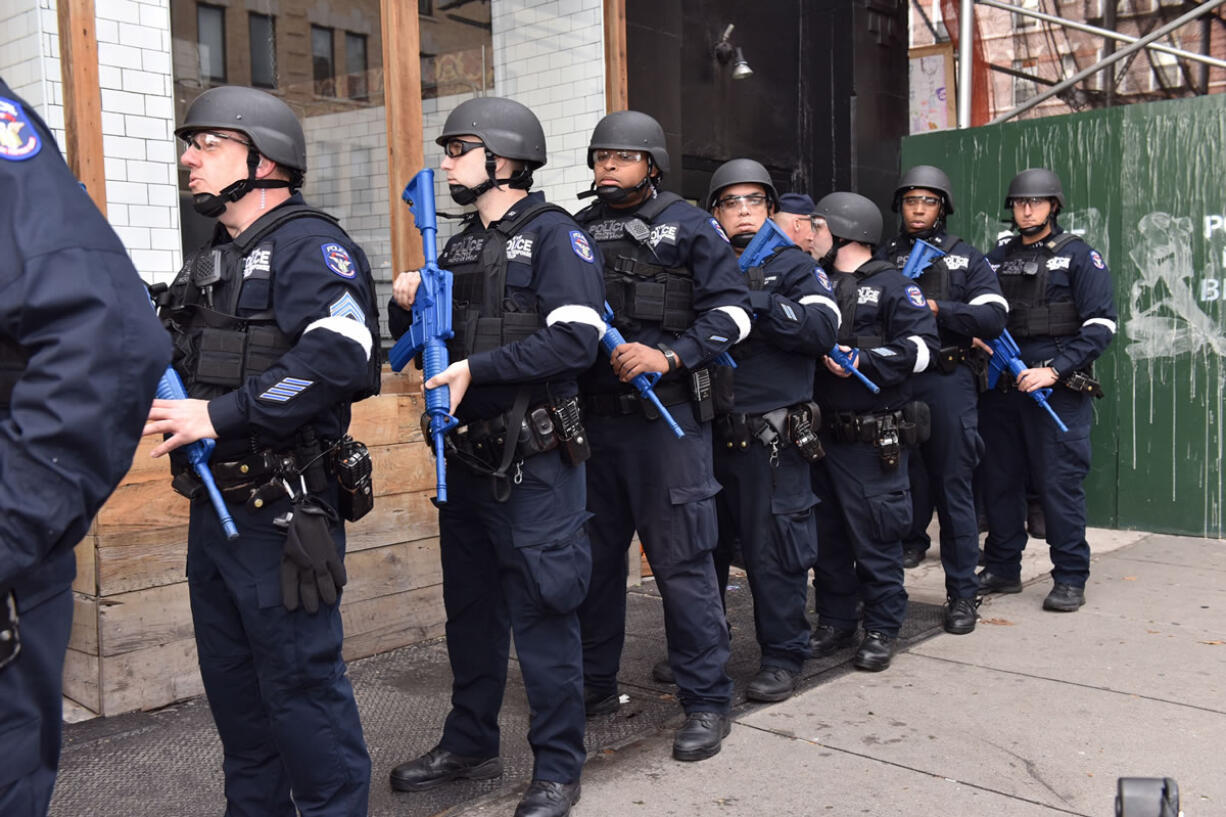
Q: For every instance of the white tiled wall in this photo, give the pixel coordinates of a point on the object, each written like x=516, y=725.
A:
x=549, y=55
x=137, y=112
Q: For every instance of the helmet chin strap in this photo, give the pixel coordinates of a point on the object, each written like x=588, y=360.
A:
x=465, y=196
x=741, y=240
x=613, y=195
x=213, y=205
x=826, y=262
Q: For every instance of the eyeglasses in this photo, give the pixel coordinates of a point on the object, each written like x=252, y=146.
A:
x=1027, y=201
x=617, y=157
x=455, y=148
x=207, y=141
x=916, y=201
x=817, y=221
x=753, y=201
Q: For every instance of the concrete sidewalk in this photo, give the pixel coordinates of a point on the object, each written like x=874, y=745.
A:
x=1035, y=713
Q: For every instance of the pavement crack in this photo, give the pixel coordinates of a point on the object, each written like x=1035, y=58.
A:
x=1128, y=693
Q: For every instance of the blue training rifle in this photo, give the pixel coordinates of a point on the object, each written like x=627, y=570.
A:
x=431, y=328
x=610, y=340
x=922, y=254
x=1006, y=357
x=170, y=387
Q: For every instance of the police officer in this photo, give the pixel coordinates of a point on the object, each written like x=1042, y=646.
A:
x=764, y=446
x=680, y=300
x=274, y=325
x=527, y=299
x=80, y=357
x=889, y=334
x=794, y=215
x=1062, y=315
x=962, y=292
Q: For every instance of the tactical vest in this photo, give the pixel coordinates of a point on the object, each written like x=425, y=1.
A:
x=755, y=281
x=13, y=359
x=934, y=282
x=639, y=287
x=483, y=317
x=216, y=350
x=1024, y=276
x=847, y=291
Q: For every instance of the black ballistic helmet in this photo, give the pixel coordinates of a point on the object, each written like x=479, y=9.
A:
x=630, y=130
x=929, y=178
x=267, y=121
x=1038, y=182
x=741, y=171
x=507, y=128
x=851, y=217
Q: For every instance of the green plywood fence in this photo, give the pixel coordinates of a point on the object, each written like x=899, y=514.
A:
x=1146, y=186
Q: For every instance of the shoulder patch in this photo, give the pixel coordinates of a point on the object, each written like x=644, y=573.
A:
x=18, y=138
x=579, y=243
x=1097, y=260
x=915, y=296
x=719, y=230
x=336, y=258
x=347, y=307
x=822, y=278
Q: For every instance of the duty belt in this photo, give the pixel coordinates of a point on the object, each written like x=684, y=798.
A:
x=614, y=404
x=481, y=446
x=792, y=425
x=946, y=361
x=260, y=477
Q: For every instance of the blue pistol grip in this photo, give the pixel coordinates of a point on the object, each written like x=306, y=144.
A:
x=847, y=361
x=170, y=387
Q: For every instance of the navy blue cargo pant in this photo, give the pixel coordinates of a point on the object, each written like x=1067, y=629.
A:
x=518, y=566
x=275, y=680
x=942, y=475
x=769, y=508
x=1021, y=439
x=642, y=477
x=31, y=706
x=865, y=511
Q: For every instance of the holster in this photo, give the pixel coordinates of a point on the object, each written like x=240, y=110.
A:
x=1083, y=383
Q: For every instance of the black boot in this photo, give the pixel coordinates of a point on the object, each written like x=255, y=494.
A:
x=772, y=684
x=1064, y=598
x=912, y=556
x=437, y=766
x=875, y=652
x=701, y=736
x=989, y=582
x=545, y=798
x=827, y=640
x=600, y=701
x=1036, y=522
x=960, y=616
x=662, y=672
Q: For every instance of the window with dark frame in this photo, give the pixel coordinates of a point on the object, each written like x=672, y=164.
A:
x=323, y=61
x=262, y=30
x=211, y=42
x=355, y=65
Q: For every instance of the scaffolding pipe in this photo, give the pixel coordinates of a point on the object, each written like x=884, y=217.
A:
x=966, y=37
x=1101, y=32
x=1101, y=64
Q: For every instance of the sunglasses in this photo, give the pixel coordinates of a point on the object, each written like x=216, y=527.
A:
x=207, y=141
x=455, y=148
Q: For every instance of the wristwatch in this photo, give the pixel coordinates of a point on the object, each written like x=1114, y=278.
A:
x=674, y=362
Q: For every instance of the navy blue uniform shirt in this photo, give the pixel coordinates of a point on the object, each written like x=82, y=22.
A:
x=1079, y=274
x=74, y=302
x=557, y=275
x=974, y=306
x=891, y=308
x=682, y=236
x=318, y=284
x=796, y=321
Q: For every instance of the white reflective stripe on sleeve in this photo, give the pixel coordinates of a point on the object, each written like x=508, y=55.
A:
x=577, y=313
x=346, y=327
x=740, y=317
x=922, y=355
x=1107, y=322
x=989, y=298
x=822, y=300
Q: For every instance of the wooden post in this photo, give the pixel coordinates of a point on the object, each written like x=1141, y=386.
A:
x=402, y=98
x=82, y=97
x=616, y=85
